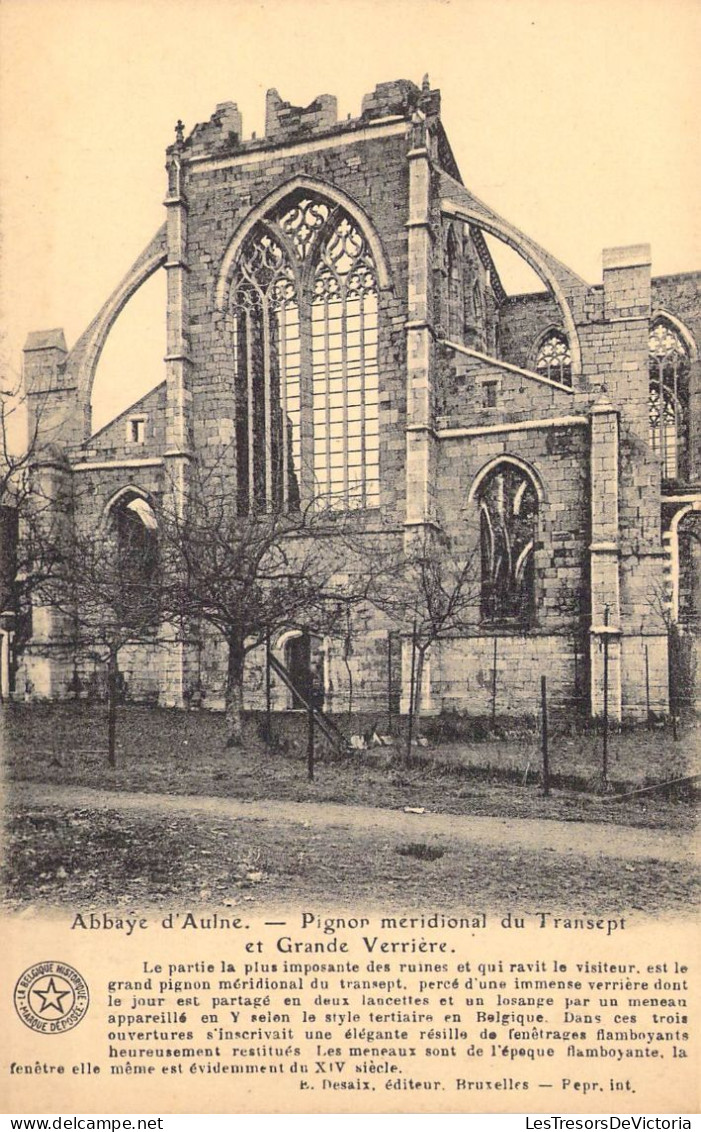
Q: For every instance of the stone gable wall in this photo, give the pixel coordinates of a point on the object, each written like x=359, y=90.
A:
x=522, y=319
x=374, y=174
x=111, y=442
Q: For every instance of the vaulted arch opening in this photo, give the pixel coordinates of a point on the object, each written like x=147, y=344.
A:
x=130, y=530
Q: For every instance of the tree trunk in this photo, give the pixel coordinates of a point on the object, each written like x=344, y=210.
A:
x=418, y=681
x=234, y=694
x=111, y=709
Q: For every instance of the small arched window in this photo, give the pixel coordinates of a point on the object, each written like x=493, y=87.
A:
x=508, y=504
x=134, y=528
x=553, y=358
x=477, y=304
x=668, y=398
x=304, y=301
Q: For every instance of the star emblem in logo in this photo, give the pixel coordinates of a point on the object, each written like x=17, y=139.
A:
x=51, y=997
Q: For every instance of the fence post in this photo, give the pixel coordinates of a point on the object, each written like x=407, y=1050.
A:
x=309, y=693
x=112, y=710
x=494, y=686
x=673, y=668
x=647, y=686
x=389, y=681
x=268, y=707
x=576, y=677
x=544, y=712
x=605, y=761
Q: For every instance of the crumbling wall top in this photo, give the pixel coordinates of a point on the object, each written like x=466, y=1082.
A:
x=284, y=122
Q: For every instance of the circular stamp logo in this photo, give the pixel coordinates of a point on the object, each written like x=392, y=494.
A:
x=51, y=997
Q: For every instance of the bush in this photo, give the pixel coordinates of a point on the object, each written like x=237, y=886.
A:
x=421, y=851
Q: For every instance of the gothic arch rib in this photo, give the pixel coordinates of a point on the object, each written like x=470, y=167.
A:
x=311, y=185
x=129, y=490
x=515, y=462
x=662, y=315
x=83, y=358
x=561, y=281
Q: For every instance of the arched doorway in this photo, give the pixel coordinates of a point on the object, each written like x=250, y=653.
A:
x=304, y=659
x=297, y=661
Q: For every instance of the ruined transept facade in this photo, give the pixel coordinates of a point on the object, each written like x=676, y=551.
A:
x=337, y=329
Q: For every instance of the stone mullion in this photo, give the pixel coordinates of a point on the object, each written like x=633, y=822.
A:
x=663, y=422
x=344, y=393
x=267, y=394
x=250, y=405
x=675, y=407
x=363, y=427
x=282, y=322
x=327, y=396
x=306, y=400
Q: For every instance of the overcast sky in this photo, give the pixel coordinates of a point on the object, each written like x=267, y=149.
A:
x=578, y=121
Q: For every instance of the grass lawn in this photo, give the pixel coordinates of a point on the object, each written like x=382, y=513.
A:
x=177, y=752
x=97, y=859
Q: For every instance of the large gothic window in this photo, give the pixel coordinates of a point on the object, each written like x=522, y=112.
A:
x=668, y=398
x=508, y=506
x=553, y=358
x=304, y=306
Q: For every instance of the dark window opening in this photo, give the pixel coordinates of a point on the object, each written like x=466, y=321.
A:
x=137, y=559
x=489, y=394
x=668, y=399
x=508, y=506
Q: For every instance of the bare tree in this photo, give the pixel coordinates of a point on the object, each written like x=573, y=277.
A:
x=19, y=503
x=20, y=434
x=104, y=586
x=248, y=576
x=430, y=592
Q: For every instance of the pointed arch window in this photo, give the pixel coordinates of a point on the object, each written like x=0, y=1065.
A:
x=508, y=505
x=668, y=398
x=304, y=302
x=553, y=358
x=455, y=313
x=134, y=528
x=267, y=376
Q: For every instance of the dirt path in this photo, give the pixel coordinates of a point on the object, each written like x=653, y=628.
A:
x=577, y=839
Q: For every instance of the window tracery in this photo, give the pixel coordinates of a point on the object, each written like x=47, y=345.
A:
x=668, y=397
x=304, y=304
x=508, y=505
x=553, y=357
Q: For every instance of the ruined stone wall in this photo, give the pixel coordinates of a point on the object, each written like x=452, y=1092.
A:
x=461, y=393
x=599, y=537
x=521, y=321
x=559, y=459
x=113, y=441
x=462, y=674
